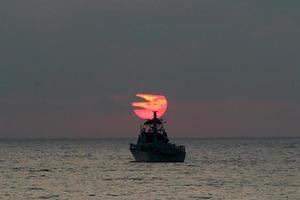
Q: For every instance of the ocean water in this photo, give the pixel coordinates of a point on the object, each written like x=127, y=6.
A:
x=103, y=169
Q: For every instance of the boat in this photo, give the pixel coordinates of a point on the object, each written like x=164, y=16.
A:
x=153, y=144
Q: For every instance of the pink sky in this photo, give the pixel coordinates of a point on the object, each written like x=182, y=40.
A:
x=185, y=119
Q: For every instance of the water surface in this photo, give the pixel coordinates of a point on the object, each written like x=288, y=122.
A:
x=103, y=169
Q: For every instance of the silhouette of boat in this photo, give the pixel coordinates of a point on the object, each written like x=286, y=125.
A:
x=153, y=144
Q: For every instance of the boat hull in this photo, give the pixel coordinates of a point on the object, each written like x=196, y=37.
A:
x=149, y=156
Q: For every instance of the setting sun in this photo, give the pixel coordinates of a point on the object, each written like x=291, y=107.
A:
x=153, y=103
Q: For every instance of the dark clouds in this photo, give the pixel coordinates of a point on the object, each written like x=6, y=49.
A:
x=98, y=54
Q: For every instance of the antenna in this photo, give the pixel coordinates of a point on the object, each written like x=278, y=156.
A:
x=154, y=114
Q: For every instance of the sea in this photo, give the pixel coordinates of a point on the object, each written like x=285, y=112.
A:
x=88, y=169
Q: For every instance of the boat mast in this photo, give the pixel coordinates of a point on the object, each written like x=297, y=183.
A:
x=155, y=125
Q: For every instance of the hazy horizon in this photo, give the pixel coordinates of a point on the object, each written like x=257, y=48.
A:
x=134, y=138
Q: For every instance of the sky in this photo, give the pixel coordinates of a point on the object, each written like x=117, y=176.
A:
x=71, y=68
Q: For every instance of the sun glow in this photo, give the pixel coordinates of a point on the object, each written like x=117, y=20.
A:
x=153, y=103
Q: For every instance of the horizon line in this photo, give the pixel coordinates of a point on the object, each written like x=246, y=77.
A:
x=116, y=138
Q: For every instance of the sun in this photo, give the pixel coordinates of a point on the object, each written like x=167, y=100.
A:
x=153, y=103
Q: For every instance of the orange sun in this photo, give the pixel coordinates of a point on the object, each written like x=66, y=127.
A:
x=153, y=103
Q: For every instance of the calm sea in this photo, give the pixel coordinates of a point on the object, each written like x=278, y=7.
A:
x=103, y=169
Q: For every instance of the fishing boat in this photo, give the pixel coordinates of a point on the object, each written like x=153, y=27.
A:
x=153, y=144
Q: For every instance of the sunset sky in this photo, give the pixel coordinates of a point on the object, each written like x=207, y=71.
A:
x=72, y=68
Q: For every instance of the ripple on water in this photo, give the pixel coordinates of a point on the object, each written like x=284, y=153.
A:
x=49, y=196
x=33, y=170
x=200, y=197
x=35, y=189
